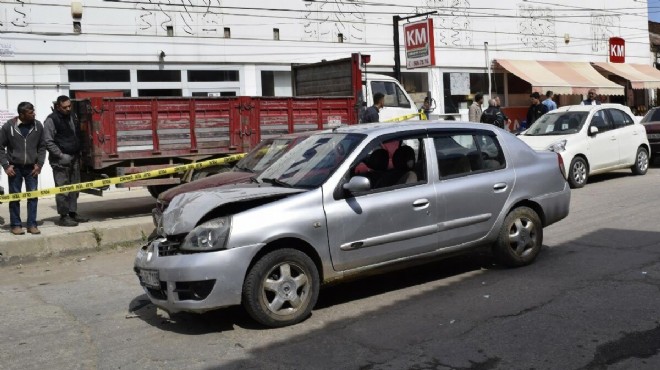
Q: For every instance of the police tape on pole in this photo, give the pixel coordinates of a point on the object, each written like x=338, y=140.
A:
x=121, y=179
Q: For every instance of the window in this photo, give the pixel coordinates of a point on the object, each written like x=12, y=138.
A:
x=276, y=34
x=478, y=84
x=157, y=75
x=227, y=32
x=214, y=94
x=601, y=121
x=159, y=92
x=394, y=97
x=461, y=154
x=212, y=76
x=620, y=119
x=392, y=163
x=105, y=75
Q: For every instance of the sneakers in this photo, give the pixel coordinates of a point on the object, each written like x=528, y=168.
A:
x=33, y=230
x=77, y=217
x=17, y=230
x=67, y=221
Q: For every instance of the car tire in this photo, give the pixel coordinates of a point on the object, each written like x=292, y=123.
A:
x=520, y=238
x=641, y=162
x=281, y=288
x=578, y=173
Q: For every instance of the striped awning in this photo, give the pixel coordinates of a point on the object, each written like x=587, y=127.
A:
x=561, y=77
x=641, y=76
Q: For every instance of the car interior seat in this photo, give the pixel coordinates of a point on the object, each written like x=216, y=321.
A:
x=377, y=161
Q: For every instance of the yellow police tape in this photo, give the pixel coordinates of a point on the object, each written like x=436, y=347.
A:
x=121, y=179
x=402, y=118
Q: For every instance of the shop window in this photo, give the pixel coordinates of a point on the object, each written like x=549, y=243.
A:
x=156, y=75
x=212, y=76
x=478, y=84
x=105, y=75
x=159, y=92
x=214, y=94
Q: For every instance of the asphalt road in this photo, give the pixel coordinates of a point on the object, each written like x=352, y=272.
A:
x=591, y=301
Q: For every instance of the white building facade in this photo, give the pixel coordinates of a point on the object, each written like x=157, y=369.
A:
x=227, y=47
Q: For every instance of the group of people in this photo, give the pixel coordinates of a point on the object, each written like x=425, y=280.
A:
x=492, y=115
x=24, y=142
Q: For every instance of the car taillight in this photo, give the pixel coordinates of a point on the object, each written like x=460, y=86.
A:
x=560, y=161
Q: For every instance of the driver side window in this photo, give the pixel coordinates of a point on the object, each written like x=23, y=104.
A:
x=601, y=121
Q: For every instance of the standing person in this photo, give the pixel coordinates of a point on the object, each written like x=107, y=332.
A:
x=474, y=114
x=548, y=102
x=425, y=110
x=535, y=110
x=62, y=137
x=22, y=138
x=493, y=115
x=371, y=114
x=507, y=120
x=591, y=98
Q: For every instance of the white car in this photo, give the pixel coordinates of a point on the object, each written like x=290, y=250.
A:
x=593, y=139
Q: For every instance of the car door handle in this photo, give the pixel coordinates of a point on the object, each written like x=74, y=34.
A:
x=421, y=203
x=613, y=138
x=500, y=186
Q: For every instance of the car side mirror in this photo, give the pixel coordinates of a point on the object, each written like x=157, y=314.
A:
x=593, y=130
x=357, y=184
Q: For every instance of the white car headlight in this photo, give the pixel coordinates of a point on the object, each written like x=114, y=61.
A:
x=209, y=236
x=558, y=147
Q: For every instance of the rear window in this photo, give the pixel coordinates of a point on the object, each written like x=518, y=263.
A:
x=652, y=116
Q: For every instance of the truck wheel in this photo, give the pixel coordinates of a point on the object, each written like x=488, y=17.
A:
x=578, y=173
x=520, y=239
x=281, y=288
x=641, y=162
x=155, y=190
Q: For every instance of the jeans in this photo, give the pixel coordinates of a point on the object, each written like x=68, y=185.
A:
x=15, y=185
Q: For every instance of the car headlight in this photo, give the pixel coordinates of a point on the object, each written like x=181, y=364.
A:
x=558, y=147
x=209, y=236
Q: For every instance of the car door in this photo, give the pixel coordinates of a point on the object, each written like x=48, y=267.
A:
x=602, y=147
x=627, y=135
x=474, y=181
x=390, y=220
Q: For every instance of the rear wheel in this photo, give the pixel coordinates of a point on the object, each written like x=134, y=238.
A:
x=520, y=238
x=281, y=288
x=578, y=173
x=641, y=162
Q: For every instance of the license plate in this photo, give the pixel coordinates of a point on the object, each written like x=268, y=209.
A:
x=150, y=278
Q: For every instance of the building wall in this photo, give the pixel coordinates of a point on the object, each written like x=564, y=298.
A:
x=40, y=45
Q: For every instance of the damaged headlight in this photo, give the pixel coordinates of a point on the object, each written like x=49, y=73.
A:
x=558, y=147
x=209, y=236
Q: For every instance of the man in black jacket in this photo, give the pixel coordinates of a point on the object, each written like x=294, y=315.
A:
x=535, y=110
x=371, y=114
x=24, y=157
x=62, y=137
x=493, y=115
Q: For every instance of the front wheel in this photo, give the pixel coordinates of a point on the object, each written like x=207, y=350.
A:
x=578, y=173
x=281, y=288
x=641, y=162
x=520, y=238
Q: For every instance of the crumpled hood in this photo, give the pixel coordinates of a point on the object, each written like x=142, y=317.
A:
x=543, y=142
x=187, y=209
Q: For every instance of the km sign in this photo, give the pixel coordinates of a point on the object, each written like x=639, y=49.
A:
x=617, y=50
x=420, y=48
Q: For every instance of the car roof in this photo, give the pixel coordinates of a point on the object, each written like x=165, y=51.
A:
x=393, y=127
x=589, y=108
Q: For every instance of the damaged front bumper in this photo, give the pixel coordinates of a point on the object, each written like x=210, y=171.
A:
x=195, y=282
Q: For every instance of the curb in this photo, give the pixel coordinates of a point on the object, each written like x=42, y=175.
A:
x=19, y=251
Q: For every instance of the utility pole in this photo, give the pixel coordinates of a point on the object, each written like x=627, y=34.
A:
x=397, y=53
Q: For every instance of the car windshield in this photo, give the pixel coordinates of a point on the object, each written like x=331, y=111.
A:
x=651, y=116
x=310, y=163
x=563, y=123
x=263, y=155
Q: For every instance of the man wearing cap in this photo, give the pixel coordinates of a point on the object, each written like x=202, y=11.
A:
x=535, y=110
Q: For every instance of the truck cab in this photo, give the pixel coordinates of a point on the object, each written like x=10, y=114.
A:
x=397, y=101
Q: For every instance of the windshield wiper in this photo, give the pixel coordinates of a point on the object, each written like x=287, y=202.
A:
x=244, y=169
x=277, y=182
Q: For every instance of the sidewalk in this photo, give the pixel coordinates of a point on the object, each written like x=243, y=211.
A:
x=119, y=216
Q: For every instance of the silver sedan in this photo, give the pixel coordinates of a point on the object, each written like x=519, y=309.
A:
x=350, y=200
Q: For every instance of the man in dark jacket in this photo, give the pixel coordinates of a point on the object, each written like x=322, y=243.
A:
x=24, y=157
x=493, y=115
x=535, y=110
x=371, y=114
x=62, y=137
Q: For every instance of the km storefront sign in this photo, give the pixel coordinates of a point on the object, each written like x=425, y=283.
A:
x=420, y=49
